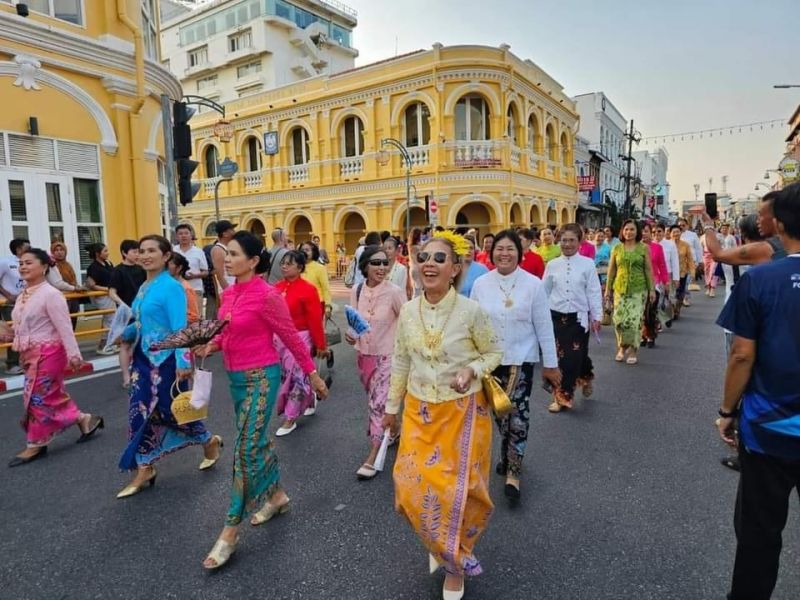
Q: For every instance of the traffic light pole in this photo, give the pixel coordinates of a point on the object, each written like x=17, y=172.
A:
x=169, y=158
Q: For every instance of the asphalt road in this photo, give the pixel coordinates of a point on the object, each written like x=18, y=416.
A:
x=624, y=497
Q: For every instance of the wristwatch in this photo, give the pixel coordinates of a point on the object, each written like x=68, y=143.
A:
x=728, y=415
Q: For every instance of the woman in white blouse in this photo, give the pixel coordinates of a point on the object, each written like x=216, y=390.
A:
x=444, y=345
x=397, y=274
x=517, y=305
x=576, y=305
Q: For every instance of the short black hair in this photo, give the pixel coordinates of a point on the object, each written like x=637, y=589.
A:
x=488, y=235
x=42, y=256
x=671, y=227
x=16, y=244
x=507, y=234
x=385, y=235
x=184, y=226
x=366, y=255
x=748, y=227
x=526, y=233
x=314, y=249
x=574, y=228
x=786, y=209
x=128, y=245
x=296, y=257
x=373, y=238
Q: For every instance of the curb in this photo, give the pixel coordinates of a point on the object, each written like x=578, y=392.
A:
x=16, y=382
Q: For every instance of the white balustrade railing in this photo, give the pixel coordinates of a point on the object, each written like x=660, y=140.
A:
x=533, y=162
x=475, y=154
x=551, y=168
x=208, y=186
x=252, y=180
x=420, y=155
x=352, y=165
x=298, y=174
x=516, y=154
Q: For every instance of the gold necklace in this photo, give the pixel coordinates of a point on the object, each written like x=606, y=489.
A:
x=509, y=302
x=433, y=339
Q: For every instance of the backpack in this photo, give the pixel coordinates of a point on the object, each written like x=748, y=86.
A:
x=350, y=276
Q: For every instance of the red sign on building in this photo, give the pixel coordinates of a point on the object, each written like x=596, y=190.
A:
x=586, y=183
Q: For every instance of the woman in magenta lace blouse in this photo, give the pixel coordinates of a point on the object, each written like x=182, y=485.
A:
x=255, y=312
x=42, y=334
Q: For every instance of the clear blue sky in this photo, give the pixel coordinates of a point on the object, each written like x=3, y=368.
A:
x=671, y=65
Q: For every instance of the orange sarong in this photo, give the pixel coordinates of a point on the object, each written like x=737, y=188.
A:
x=441, y=477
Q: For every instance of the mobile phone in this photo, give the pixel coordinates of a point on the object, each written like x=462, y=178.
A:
x=711, y=205
x=548, y=387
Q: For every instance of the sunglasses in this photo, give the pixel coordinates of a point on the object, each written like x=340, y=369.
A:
x=379, y=262
x=438, y=257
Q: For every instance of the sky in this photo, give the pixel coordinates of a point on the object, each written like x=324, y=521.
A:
x=670, y=65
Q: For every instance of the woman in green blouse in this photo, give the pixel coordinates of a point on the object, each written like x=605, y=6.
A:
x=630, y=280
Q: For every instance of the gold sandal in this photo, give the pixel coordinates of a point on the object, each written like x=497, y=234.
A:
x=210, y=462
x=267, y=512
x=221, y=553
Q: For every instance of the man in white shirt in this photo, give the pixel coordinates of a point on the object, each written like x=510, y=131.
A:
x=576, y=307
x=198, y=265
x=691, y=238
x=11, y=286
x=225, y=232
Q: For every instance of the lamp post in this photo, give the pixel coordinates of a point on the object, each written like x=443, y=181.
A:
x=383, y=159
x=762, y=185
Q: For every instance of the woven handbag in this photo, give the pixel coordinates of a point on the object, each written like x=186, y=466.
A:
x=182, y=409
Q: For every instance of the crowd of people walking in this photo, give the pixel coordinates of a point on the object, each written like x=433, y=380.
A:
x=443, y=315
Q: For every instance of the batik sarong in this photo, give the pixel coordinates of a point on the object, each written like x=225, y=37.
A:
x=152, y=429
x=517, y=381
x=628, y=313
x=49, y=410
x=441, y=477
x=256, y=476
x=375, y=372
x=295, y=394
x=572, y=347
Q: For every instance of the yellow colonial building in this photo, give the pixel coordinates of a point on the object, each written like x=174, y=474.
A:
x=490, y=138
x=80, y=125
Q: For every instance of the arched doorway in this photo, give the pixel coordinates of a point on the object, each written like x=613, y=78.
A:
x=552, y=217
x=256, y=227
x=564, y=216
x=516, y=219
x=536, y=216
x=353, y=228
x=475, y=214
x=301, y=230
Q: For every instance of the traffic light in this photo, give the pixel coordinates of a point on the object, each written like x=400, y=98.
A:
x=182, y=152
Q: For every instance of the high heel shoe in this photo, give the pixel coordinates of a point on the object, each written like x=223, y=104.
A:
x=207, y=463
x=18, y=461
x=220, y=553
x=433, y=564
x=453, y=594
x=132, y=490
x=95, y=423
x=267, y=512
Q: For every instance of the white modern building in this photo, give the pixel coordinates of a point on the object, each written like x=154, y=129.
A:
x=651, y=170
x=604, y=128
x=228, y=49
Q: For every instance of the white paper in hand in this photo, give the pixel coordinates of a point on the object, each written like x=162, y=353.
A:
x=381, y=458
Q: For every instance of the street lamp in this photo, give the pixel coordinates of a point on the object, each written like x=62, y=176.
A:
x=768, y=171
x=762, y=185
x=383, y=159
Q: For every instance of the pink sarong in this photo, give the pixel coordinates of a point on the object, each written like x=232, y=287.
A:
x=375, y=371
x=295, y=394
x=48, y=408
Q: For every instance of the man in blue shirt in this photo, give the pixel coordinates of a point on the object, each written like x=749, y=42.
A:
x=763, y=371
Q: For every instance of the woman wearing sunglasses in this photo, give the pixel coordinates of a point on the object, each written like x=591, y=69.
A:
x=517, y=305
x=379, y=301
x=444, y=345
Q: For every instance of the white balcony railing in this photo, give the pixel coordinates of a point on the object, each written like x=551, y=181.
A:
x=208, y=185
x=350, y=166
x=252, y=180
x=551, y=168
x=298, y=174
x=533, y=162
x=475, y=154
x=516, y=154
x=420, y=155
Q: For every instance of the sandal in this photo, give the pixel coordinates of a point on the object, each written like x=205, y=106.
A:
x=366, y=471
x=207, y=463
x=632, y=360
x=620, y=355
x=267, y=512
x=221, y=553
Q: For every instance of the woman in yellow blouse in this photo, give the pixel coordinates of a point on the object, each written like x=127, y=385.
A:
x=444, y=345
x=317, y=275
x=547, y=249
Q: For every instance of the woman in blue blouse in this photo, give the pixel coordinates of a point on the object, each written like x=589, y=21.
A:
x=159, y=310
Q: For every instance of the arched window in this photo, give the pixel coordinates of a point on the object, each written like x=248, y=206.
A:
x=534, y=135
x=550, y=134
x=472, y=118
x=418, y=129
x=210, y=159
x=564, y=149
x=511, y=130
x=211, y=229
x=352, y=137
x=300, y=148
x=252, y=154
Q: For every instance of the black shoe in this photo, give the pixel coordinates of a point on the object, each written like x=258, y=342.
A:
x=668, y=323
x=501, y=468
x=732, y=462
x=511, y=492
x=642, y=344
x=329, y=362
x=651, y=343
x=18, y=461
x=96, y=423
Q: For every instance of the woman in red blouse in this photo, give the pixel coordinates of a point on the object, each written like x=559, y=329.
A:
x=296, y=395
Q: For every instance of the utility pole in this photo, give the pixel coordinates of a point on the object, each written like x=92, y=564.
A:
x=631, y=136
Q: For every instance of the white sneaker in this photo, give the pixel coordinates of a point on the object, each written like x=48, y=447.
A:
x=282, y=431
x=310, y=411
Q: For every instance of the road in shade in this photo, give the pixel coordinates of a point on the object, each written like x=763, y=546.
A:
x=624, y=497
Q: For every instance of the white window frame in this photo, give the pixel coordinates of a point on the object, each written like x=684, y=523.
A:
x=533, y=134
x=304, y=139
x=485, y=116
x=250, y=68
x=420, y=106
x=150, y=29
x=511, y=129
x=240, y=40
x=193, y=57
x=247, y=154
x=205, y=83
x=358, y=132
x=250, y=90
x=52, y=13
